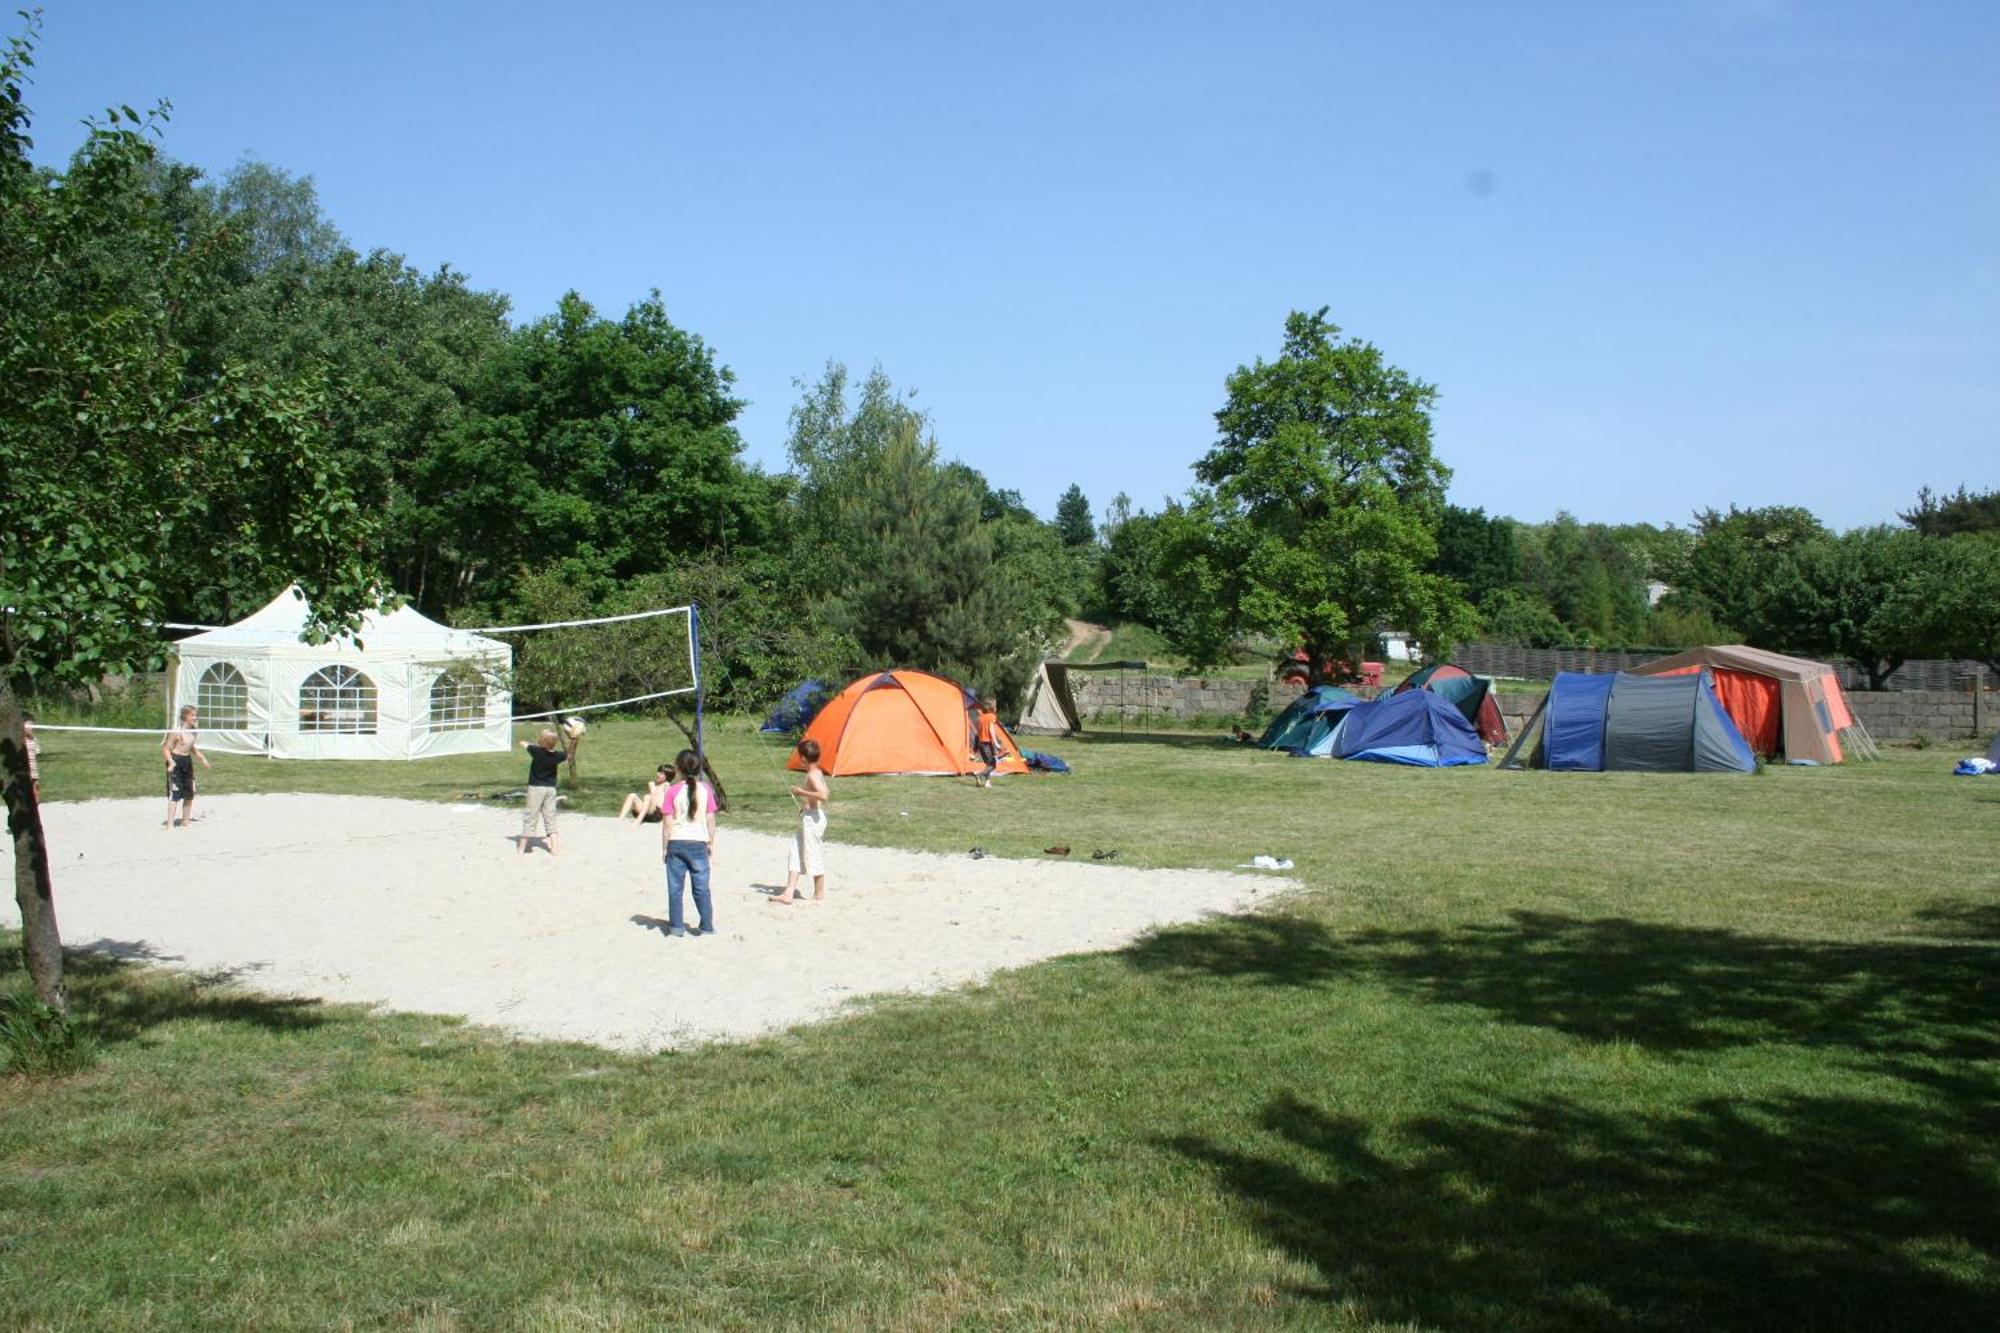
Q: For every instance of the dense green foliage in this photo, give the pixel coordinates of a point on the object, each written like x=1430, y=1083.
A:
x=1316, y=518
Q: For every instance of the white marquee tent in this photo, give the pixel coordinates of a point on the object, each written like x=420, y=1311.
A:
x=403, y=687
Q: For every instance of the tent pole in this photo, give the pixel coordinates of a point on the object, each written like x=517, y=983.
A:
x=1507, y=760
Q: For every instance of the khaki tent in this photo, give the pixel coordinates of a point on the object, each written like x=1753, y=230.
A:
x=1051, y=709
x=1788, y=705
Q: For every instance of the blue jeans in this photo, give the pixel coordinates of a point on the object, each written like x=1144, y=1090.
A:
x=687, y=861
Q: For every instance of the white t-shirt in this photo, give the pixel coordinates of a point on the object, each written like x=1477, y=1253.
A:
x=674, y=812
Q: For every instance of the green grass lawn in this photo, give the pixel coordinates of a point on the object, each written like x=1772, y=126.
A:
x=1526, y=1050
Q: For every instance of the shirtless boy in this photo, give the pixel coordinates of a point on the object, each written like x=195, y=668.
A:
x=180, y=749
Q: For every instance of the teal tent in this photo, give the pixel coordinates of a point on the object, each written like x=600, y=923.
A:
x=1307, y=725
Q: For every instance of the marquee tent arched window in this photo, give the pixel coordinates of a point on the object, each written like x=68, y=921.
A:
x=337, y=699
x=458, y=702
x=401, y=686
x=223, y=697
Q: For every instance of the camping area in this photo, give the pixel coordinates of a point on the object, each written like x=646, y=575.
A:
x=906, y=667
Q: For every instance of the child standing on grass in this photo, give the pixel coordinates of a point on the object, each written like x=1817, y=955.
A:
x=808, y=856
x=989, y=740
x=180, y=749
x=687, y=843
x=544, y=762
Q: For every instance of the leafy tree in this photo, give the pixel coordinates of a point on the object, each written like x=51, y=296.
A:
x=1588, y=578
x=1738, y=557
x=1958, y=603
x=401, y=351
x=834, y=451
x=1318, y=521
x=1840, y=596
x=608, y=440
x=1073, y=521
x=1674, y=625
x=1512, y=616
x=280, y=220
x=1479, y=552
x=925, y=590
x=1963, y=511
x=1129, y=583
x=119, y=451
x=755, y=643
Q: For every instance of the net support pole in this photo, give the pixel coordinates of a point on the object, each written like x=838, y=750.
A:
x=694, y=656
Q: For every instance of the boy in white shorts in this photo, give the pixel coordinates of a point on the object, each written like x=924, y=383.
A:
x=807, y=856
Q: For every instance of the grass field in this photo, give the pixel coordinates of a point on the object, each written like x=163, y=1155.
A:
x=1526, y=1050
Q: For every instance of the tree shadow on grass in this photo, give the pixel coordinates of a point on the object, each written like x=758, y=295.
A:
x=114, y=1001
x=1788, y=1212
x=1664, y=987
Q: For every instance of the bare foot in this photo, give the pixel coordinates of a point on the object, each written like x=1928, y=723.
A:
x=780, y=900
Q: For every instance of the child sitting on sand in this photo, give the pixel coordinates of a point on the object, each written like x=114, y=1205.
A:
x=645, y=806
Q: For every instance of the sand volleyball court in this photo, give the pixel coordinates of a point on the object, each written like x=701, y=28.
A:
x=427, y=908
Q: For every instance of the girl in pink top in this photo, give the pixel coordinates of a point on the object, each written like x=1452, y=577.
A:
x=687, y=843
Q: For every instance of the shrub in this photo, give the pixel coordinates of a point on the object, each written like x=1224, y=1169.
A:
x=38, y=1042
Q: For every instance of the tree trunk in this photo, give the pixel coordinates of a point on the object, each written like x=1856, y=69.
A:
x=1880, y=669
x=41, y=943
x=721, y=796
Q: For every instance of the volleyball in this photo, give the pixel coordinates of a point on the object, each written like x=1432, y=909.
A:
x=574, y=727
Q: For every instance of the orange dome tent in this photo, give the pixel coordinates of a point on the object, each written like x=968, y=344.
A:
x=903, y=722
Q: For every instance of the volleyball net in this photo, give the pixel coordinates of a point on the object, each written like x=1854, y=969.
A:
x=407, y=687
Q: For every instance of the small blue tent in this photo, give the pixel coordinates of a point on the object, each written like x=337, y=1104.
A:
x=1307, y=725
x=797, y=709
x=1650, y=724
x=1416, y=727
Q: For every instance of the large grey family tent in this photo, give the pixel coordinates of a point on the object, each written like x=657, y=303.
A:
x=1782, y=705
x=1051, y=709
x=1473, y=695
x=1657, y=724
x=1308, y=724
x=1416, y=727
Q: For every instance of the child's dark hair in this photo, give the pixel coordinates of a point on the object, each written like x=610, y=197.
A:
x=809, y=751
x=689, y=764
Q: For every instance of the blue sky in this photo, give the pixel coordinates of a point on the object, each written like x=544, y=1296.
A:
x=1655, y=257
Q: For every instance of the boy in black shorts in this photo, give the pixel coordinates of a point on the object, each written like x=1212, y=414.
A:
x=180, y=749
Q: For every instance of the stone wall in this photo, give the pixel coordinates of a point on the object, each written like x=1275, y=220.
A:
x=1891, y=715
x=1112, y=695
x=1498, y=659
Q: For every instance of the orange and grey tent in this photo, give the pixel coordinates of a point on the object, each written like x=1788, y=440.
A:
x=1788, y=705
x=904, y=722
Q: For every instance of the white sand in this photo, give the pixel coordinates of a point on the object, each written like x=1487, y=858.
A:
x=428, y=908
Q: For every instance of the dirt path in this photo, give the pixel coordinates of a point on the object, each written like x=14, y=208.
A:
x=1082, y=633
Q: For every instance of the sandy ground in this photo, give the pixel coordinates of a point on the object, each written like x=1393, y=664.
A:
x=428, y=908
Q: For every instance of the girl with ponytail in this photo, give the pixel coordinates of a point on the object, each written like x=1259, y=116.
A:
x=687, y=843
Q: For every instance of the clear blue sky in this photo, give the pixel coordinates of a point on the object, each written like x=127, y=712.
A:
x=1655, y=256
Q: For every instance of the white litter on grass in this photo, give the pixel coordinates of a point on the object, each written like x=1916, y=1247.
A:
x=1265, y=863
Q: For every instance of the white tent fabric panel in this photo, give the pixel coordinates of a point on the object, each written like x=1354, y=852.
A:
x=372, y=695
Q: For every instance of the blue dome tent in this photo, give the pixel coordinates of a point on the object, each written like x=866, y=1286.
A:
x=1416, y=727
